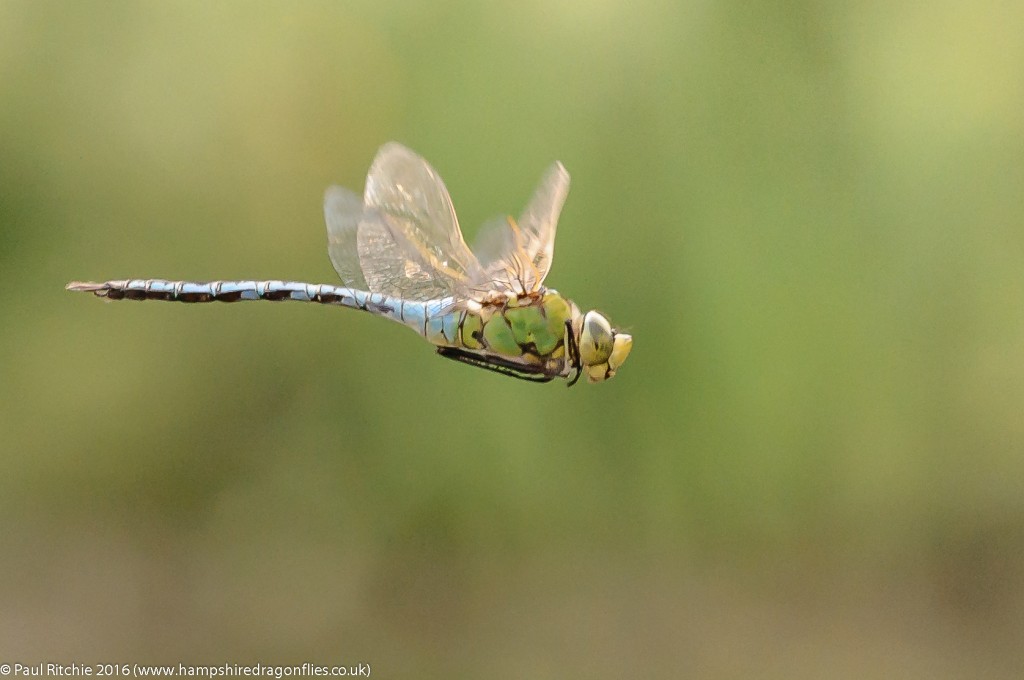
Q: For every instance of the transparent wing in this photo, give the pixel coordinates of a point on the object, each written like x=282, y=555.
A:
x=408, y=238
x=393, y=267
x=538, y=222
x=494, y=241
x=517, y=256
x=343, y=210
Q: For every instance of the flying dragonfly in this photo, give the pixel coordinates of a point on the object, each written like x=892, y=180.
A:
x=400, y=254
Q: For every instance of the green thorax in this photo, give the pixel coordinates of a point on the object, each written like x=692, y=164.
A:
x=531, y=327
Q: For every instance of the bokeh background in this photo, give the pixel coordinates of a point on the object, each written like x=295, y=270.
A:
x=810, y=215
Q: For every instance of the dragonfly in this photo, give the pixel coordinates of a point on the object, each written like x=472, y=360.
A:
x=401, y=255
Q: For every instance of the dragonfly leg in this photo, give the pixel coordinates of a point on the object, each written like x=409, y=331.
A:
x=572, y=350
x=496, y=364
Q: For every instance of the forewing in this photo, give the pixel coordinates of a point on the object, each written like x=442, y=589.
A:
x=517, y=256
x=538, y=222
x=494, y=241
x=343, y=211
x=409, y=241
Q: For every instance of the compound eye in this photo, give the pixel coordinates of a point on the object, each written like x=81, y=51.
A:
x=596, y=339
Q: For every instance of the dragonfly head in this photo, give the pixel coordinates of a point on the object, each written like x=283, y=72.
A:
x=602, y=348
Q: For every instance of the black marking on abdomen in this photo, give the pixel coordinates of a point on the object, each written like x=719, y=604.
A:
x=147, y=294
x=277, y=295
x=327, y=298
x=378, y=307
x=140, y=294
x=234, y=296
x=113, y=294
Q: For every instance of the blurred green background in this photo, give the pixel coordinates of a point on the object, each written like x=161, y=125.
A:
x=809, y=215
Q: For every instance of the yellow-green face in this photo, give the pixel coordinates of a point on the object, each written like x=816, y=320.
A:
x=602, y=349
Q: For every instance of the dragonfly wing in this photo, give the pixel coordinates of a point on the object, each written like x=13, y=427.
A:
x=392, y=268
x=538, y=222
x=495, y=240
x=502, y=260
x=517, y=256
x=343, y=210
x=408, y=239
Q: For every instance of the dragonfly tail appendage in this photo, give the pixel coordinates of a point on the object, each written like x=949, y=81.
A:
x=84, y=286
